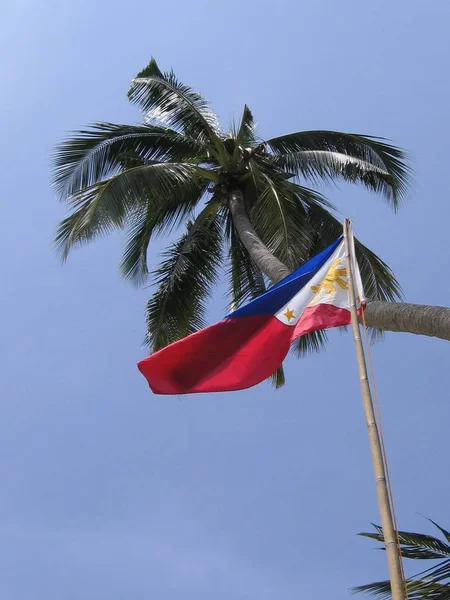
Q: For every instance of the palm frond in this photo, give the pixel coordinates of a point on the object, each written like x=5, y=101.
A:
x=309, y=197
x=97, y=153
x=278, y=216
x=430, y=584
x=244, y=136
x=156, y=217
x=184, y=280
x=133, y=265
x=310, y=343
x=170, y=189
x=417, y=590
x=415, y=545
x=438, y=574
x=444, y=532
x=163, y=98
x=390, y=174
x=317, y=165
x=378, y=279
x=378, y=589
x=82, y=227
x=278, y=379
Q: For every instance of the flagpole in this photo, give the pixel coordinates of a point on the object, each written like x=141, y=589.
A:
x=389, y=534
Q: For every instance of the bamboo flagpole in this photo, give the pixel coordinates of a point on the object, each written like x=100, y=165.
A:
x=384, y=504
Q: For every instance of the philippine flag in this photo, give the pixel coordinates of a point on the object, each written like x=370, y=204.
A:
x=249, y=344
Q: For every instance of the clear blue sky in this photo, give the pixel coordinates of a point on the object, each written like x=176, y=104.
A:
x=108, y=492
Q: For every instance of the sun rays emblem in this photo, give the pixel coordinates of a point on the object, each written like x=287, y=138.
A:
x=334, y=277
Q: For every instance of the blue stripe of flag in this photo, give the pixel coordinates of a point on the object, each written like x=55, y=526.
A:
x=279, y=294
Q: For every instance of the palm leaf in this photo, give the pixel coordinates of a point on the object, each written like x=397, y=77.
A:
x=317, y=165
x=385, y=158
x=379, y=589
x=244, y=136
x=378, y=279
x=444, y=532
x=415, y=545
x=133, y=265
x=310, y=343
x=152, y=219
x=417, y=590
x=82, y=227
x=163, y=98
x=184, y=280
x=98, y=153
x=171, y=189
x=432, y=583
x=279, y=216
x=278, y=379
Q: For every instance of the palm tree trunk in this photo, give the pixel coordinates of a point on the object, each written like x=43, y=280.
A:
x=266, y=262
x=420, y=319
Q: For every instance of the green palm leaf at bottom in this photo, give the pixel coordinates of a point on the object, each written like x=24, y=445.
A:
x=184, y=280
x=432, y=583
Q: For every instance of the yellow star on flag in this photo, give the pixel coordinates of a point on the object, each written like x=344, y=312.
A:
x=289, y=314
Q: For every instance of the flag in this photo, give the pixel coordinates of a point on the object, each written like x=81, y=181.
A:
x=250, y=343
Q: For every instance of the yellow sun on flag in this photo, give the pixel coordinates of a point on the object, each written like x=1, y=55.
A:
x=334, y=277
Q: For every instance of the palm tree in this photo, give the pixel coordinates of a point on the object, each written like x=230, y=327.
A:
x=243, y=200
x=432, y=583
